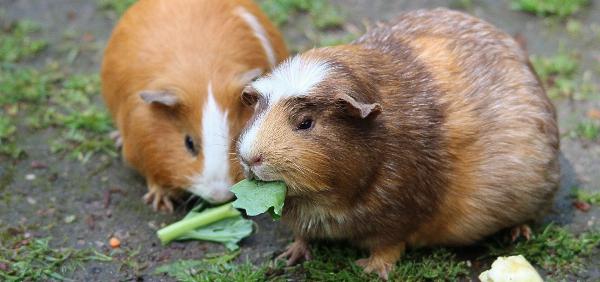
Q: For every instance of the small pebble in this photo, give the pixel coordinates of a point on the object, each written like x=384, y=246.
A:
x=69, y=218
x=152, y=225
x=594, y=114
x=114, y=242
x=31, y=201
x=38, y=165
x=30, y=177
x=582, y=206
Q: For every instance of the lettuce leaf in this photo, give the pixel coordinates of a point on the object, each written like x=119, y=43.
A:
x=223, y=224
x=257, y=197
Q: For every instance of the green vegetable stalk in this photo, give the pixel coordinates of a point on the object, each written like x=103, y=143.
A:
x=189, y=223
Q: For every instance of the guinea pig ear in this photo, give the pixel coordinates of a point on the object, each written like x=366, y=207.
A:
x=160, y=97
x=250, y=76
x=359, y=109
x=249, y=96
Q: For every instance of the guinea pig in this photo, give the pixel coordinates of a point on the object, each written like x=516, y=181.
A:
x=171, y=77
x=429, y=130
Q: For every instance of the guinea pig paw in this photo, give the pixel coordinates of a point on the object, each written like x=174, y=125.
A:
x=159, y=201
x=519, y=231
x=296, y=252
x=116, y=137
x=375, y=265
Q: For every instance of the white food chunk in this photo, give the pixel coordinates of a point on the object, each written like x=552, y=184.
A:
x=513, y=269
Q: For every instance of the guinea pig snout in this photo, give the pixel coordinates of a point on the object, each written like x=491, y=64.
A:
x=250, y=164
x=256, y=167
x=214, y=191
x=252, y=161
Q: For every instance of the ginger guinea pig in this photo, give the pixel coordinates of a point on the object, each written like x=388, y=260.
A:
x=430, y=130
x=171, y=78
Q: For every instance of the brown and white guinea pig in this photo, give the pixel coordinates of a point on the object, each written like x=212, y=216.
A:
x=171, y=77
x=430, y=130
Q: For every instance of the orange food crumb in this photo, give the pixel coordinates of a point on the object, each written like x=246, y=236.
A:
x=114, y=242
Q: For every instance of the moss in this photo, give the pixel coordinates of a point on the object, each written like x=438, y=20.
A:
x=117, y=6
x=585, y=196
x=16, y=42
x=50, y=97
x=559, y=8
x=8, y=145
x=558, y=74
x=26, y=85
x=33, y=259
x=462, y=4
x=335, y=39
x=220, y=268
x=323, y=14
x=6, y=178
x=588, y=130
x=574, y=27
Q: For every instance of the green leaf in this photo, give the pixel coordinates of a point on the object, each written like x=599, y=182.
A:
x=196, y=219
x=228, y=232
x=257, y=197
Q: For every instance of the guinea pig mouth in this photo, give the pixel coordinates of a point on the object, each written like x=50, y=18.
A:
x=259, y=173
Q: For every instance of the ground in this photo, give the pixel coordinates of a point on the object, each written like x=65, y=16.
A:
x=64, y=190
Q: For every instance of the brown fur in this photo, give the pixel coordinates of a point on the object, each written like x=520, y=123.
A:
x=466, y=142
x=179, y=46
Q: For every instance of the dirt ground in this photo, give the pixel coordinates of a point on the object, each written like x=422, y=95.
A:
x=66, y=188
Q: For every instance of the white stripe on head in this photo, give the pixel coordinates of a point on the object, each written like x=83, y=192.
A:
x=259, y=32
x=214, y=182
x=295, y=77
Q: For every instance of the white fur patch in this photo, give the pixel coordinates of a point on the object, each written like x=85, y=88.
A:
x=248, y=138
x=293, y=78
x=259, y=32
x=214, y=182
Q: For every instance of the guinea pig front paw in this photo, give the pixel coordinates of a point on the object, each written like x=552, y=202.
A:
x=519, y=231
x=116, y=137
x=296, y=252
x=159, y=200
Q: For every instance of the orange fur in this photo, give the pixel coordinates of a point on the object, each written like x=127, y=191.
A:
x=180, y=46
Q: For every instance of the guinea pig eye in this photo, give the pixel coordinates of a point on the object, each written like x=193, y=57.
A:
x=305, y=124
x=190, y=146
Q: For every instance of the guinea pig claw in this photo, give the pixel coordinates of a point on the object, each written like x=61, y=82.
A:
x=116, y=137
x=519, y=231
x=296, y=252
x=159, y=201
x=371, y=265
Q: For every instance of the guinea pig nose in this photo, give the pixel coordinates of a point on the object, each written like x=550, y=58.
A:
x=256, y=160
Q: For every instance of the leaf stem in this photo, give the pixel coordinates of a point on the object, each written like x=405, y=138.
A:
x=206, y=217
